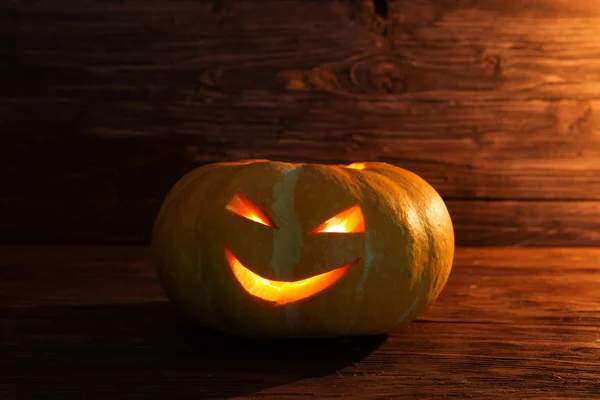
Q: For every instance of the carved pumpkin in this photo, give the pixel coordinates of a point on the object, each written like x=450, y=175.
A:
x=273, y=249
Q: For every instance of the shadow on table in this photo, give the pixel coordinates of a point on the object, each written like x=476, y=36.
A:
x=147, y=349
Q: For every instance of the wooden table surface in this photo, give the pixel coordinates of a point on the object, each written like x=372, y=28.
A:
x=85, y=322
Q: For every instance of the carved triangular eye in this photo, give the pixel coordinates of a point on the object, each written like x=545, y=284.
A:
x=348, y=221
x=242, y=206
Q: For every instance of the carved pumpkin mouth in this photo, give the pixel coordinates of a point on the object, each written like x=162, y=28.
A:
x=281, y=292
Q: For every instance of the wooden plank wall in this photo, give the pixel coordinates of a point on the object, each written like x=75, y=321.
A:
x=105, y=104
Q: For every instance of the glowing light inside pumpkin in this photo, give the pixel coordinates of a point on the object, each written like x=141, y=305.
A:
x=242, y=206
x=281, y=292
x=348, y=221
x=357, y=165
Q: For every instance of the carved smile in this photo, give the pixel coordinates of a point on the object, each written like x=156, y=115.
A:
x=281, y=292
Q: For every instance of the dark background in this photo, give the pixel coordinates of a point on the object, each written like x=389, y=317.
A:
x=105, y=104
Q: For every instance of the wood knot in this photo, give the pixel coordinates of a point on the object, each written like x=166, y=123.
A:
x=365, y=144
x=378, y=75
x=361, y=76
x=209, y=77
x=373, y=14
x=492, y=64
x=573, y=117
x=381, y=8
x=294, y=80
x=387, y=78
x=324, y=79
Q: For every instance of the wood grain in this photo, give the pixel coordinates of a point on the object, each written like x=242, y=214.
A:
x=431, y=50
x=104, y=105
x=92, y=321
x=534, y=150
x=526, y=223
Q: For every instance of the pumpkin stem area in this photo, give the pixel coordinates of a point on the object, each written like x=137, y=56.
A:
x=357, y=165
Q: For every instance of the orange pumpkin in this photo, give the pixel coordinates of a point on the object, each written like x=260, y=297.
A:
x=272, y=249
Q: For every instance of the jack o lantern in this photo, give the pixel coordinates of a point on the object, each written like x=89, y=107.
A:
x=272, y=249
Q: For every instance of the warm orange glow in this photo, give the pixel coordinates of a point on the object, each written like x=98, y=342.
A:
x=348, y=221
x=281, y=292
x=357, y=165
x=242, y=206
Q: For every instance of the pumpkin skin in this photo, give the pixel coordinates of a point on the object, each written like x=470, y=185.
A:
x=397, y=266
